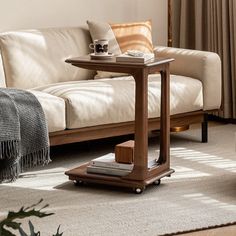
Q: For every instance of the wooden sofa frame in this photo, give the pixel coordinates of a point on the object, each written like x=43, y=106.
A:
x=124, y=128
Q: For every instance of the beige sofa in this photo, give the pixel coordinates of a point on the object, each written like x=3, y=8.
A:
x=79, y=107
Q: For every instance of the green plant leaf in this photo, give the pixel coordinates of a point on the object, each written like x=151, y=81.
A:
x=34, y=205
x=24, y=212
x=32, y=233
x=4, y=232
x=22, y=232
x=57, y=233
x=13, y=225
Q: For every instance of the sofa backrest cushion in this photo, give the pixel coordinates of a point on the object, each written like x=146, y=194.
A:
x=33, y=58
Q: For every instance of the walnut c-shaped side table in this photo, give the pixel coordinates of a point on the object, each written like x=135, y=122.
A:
x=141, y=175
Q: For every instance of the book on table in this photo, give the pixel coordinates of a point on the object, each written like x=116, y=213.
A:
x=108, y=160
x=108, y=166
x=125, y=57
x=107, y=171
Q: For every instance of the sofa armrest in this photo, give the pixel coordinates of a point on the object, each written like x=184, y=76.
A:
x=201, y=65
x=2, y=75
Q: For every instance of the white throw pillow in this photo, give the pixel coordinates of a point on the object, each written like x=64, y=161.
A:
x=102, y=30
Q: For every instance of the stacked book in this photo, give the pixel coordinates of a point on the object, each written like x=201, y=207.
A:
x=107, y=165
x=134, y=57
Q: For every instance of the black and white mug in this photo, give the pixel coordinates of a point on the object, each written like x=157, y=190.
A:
x=100, y=47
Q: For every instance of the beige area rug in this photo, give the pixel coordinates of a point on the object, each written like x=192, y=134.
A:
x=200, y=194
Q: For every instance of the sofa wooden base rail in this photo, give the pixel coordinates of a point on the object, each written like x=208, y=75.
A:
x=110, y=130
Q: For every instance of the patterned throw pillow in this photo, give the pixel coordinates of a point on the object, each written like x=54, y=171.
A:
x=134, y=36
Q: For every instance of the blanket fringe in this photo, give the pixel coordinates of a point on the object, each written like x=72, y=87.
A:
x=9, y=149
x=38, y=158
x=10, y=174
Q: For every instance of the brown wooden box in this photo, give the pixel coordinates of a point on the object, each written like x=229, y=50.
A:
x=124, y=152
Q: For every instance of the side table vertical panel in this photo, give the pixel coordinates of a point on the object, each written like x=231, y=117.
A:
x=165, y=117
x=141, y=126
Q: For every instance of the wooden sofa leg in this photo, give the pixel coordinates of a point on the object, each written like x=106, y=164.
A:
x=205, y=129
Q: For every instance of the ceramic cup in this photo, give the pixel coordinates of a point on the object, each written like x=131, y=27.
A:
x=100, y=47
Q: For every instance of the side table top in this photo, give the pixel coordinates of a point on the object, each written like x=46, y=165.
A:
x=86, y=60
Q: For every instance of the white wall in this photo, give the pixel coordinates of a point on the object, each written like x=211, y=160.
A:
x=25, y=14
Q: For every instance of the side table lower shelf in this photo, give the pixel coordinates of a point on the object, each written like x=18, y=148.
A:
x=80, y=174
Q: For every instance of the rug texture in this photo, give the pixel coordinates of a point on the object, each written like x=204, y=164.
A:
x=201, y=193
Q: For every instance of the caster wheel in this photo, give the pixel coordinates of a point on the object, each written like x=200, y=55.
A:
x=138, y=190
x=157, y=182
x=78, y=182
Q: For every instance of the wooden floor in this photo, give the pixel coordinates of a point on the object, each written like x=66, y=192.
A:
x=221, y=231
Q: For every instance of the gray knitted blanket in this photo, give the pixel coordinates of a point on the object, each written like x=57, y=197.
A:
x=24, y=141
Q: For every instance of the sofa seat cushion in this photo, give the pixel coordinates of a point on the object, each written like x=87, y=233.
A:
x=54, y=110
x=106, y=101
